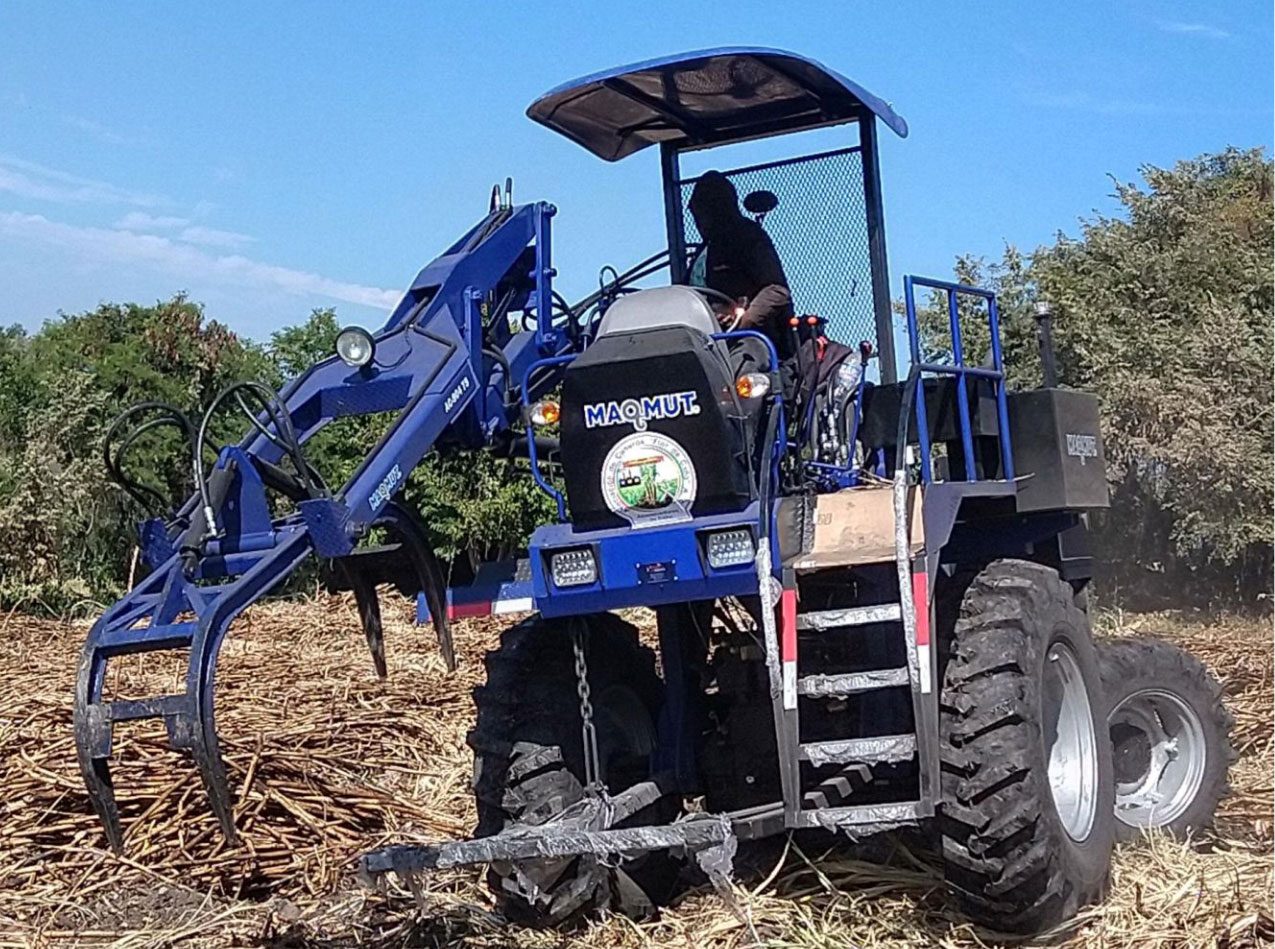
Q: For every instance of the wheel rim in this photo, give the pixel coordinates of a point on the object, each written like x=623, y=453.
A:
x=1160, y=754
x=1071, y=743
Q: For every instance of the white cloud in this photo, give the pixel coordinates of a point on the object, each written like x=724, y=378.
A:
x=29, y=180
x=212, y=237
x=187, y=230
x=98, y=131
x=185, y=261
x=141, y=221
x=1192, y=29
x=1083, y=102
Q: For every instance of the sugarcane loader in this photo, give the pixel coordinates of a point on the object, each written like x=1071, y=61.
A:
x=865, y=588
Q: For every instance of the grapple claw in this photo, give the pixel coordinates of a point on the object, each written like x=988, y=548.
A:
x=228, y=544
x=153, y=617
x=369, y=615
x=429, y=571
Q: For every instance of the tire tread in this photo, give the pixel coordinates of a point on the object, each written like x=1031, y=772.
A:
x=998, y=848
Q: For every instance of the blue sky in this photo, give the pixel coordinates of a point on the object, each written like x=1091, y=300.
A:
x=270, y=157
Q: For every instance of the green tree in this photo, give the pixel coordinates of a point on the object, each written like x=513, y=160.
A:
x=295, y=348
x=17, y=392
x=1165, y=312
x=65, y=530
x=477, y=505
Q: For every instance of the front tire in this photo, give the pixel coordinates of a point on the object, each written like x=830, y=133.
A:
x=1027, y=816
x=529, y=762
x=1170, y=737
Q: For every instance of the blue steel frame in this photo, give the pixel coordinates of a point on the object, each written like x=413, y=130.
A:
x=434, y=366
x=644, y=567
x=958, y=368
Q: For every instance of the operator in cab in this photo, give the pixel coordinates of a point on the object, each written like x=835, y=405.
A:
x=740, y=262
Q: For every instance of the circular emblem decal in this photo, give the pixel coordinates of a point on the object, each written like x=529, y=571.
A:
x=648, y=476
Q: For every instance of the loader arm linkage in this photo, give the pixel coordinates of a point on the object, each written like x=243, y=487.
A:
x=446, y=362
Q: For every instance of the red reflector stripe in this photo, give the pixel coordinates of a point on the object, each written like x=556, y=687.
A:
x=921, y=600
x=462, y=610
x=788, y=625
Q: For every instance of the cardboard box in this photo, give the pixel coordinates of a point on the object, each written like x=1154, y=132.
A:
x=856, y=526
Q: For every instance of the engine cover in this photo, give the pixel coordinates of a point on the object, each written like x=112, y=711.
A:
x=652, y=432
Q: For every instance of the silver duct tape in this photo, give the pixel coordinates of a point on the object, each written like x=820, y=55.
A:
x=765, y=589
x=873, y=750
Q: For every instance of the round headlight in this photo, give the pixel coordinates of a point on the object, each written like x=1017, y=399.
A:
x=355, y=346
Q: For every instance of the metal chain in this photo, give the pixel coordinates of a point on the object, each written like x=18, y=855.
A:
x=592, y=766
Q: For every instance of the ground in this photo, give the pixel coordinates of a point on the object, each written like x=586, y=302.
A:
x=327, y=762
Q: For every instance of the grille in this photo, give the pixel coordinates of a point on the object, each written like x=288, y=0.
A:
x=820, y=229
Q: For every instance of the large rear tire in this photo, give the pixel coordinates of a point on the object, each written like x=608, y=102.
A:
x=529, y=761
x=1170, y=737
x=1027, y=816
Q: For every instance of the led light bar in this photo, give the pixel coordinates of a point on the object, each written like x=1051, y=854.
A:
x=730, y=548
x=573, y=568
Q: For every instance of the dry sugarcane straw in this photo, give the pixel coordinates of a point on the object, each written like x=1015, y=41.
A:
x=327, y=763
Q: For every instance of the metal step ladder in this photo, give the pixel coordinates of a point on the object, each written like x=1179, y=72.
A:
x=838, y=802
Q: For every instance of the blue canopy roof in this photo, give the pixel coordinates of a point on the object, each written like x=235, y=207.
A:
x=707, y=97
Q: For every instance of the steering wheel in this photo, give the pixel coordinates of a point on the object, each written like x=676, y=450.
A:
x=730, y=302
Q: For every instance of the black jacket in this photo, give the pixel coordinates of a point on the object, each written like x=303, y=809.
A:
x=742, y=263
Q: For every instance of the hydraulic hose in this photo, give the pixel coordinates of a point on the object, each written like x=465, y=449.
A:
x=113, y=460
x=905, y=417
x=284, y=437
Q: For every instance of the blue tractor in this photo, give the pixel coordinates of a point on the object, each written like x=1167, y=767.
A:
x=868, y=592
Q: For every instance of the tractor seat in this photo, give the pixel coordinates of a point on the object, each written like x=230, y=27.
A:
x=657, y=308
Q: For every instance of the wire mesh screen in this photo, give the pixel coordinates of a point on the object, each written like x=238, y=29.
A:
x=820, y=229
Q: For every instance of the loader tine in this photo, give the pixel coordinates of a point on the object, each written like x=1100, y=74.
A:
x=212, y=771
x=93, y=743
x=428, y=570
x=437, y=600
x=97, y=778
x=370, y=615
x=201, y=733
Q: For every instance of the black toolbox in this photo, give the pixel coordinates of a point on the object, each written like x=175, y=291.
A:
x=1058, y=455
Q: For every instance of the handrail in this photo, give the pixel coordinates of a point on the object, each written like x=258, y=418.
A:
x=958, y=368
x=544, y=485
